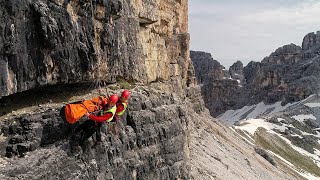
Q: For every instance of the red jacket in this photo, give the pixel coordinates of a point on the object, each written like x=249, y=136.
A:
x=102, y=118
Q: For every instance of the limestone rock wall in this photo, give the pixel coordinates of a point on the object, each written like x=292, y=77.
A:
x=288, y=54
x=152, y=143
x=58, y=42
x=206, y=68
x=218, y=86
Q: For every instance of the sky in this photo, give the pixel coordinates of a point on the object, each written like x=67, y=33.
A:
x=249, y=30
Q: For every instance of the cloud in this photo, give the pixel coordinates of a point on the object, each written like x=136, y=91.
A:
x=305, y=13
x=250, y=32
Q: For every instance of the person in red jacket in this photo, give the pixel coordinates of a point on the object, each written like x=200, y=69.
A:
x=108, y=111
x=122, y=105
x=93, y=125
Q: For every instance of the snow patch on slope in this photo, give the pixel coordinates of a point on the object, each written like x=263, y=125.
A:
x=313, y=105
x=253, y=111
x=231, y=116
x=303, y=117
x=251, y=125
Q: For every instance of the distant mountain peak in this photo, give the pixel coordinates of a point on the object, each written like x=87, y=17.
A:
x=287, y=54
x=311, y=41
x=289, y=74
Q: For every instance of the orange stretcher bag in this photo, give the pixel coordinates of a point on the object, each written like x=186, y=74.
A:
x=74, y=111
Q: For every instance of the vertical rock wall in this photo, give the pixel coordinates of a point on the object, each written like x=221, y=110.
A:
x=152, y=142
x=54, y=41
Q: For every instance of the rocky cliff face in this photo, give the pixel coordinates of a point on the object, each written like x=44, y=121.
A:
x=236, y=72
x=289, y=74
x=288, y=54
x=64, y=42
x=206, y=68
x=61, y=42
x=54, y=42
x=310, y=44
x=218, y=85
x=153, y=142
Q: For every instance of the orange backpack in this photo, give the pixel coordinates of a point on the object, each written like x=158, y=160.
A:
x=74, y=111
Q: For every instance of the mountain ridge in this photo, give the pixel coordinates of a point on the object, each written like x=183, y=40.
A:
x=289, y=74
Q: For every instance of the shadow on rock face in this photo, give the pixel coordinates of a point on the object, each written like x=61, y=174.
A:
x=57, y=93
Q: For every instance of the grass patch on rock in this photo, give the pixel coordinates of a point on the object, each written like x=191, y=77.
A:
x=307, y=143
x=123, y=84
x=302, y=127
x=277, y=145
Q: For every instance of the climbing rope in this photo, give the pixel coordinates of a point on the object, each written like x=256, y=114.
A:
x=98, y=83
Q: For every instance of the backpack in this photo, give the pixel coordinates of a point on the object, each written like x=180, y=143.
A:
x=74, y=111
